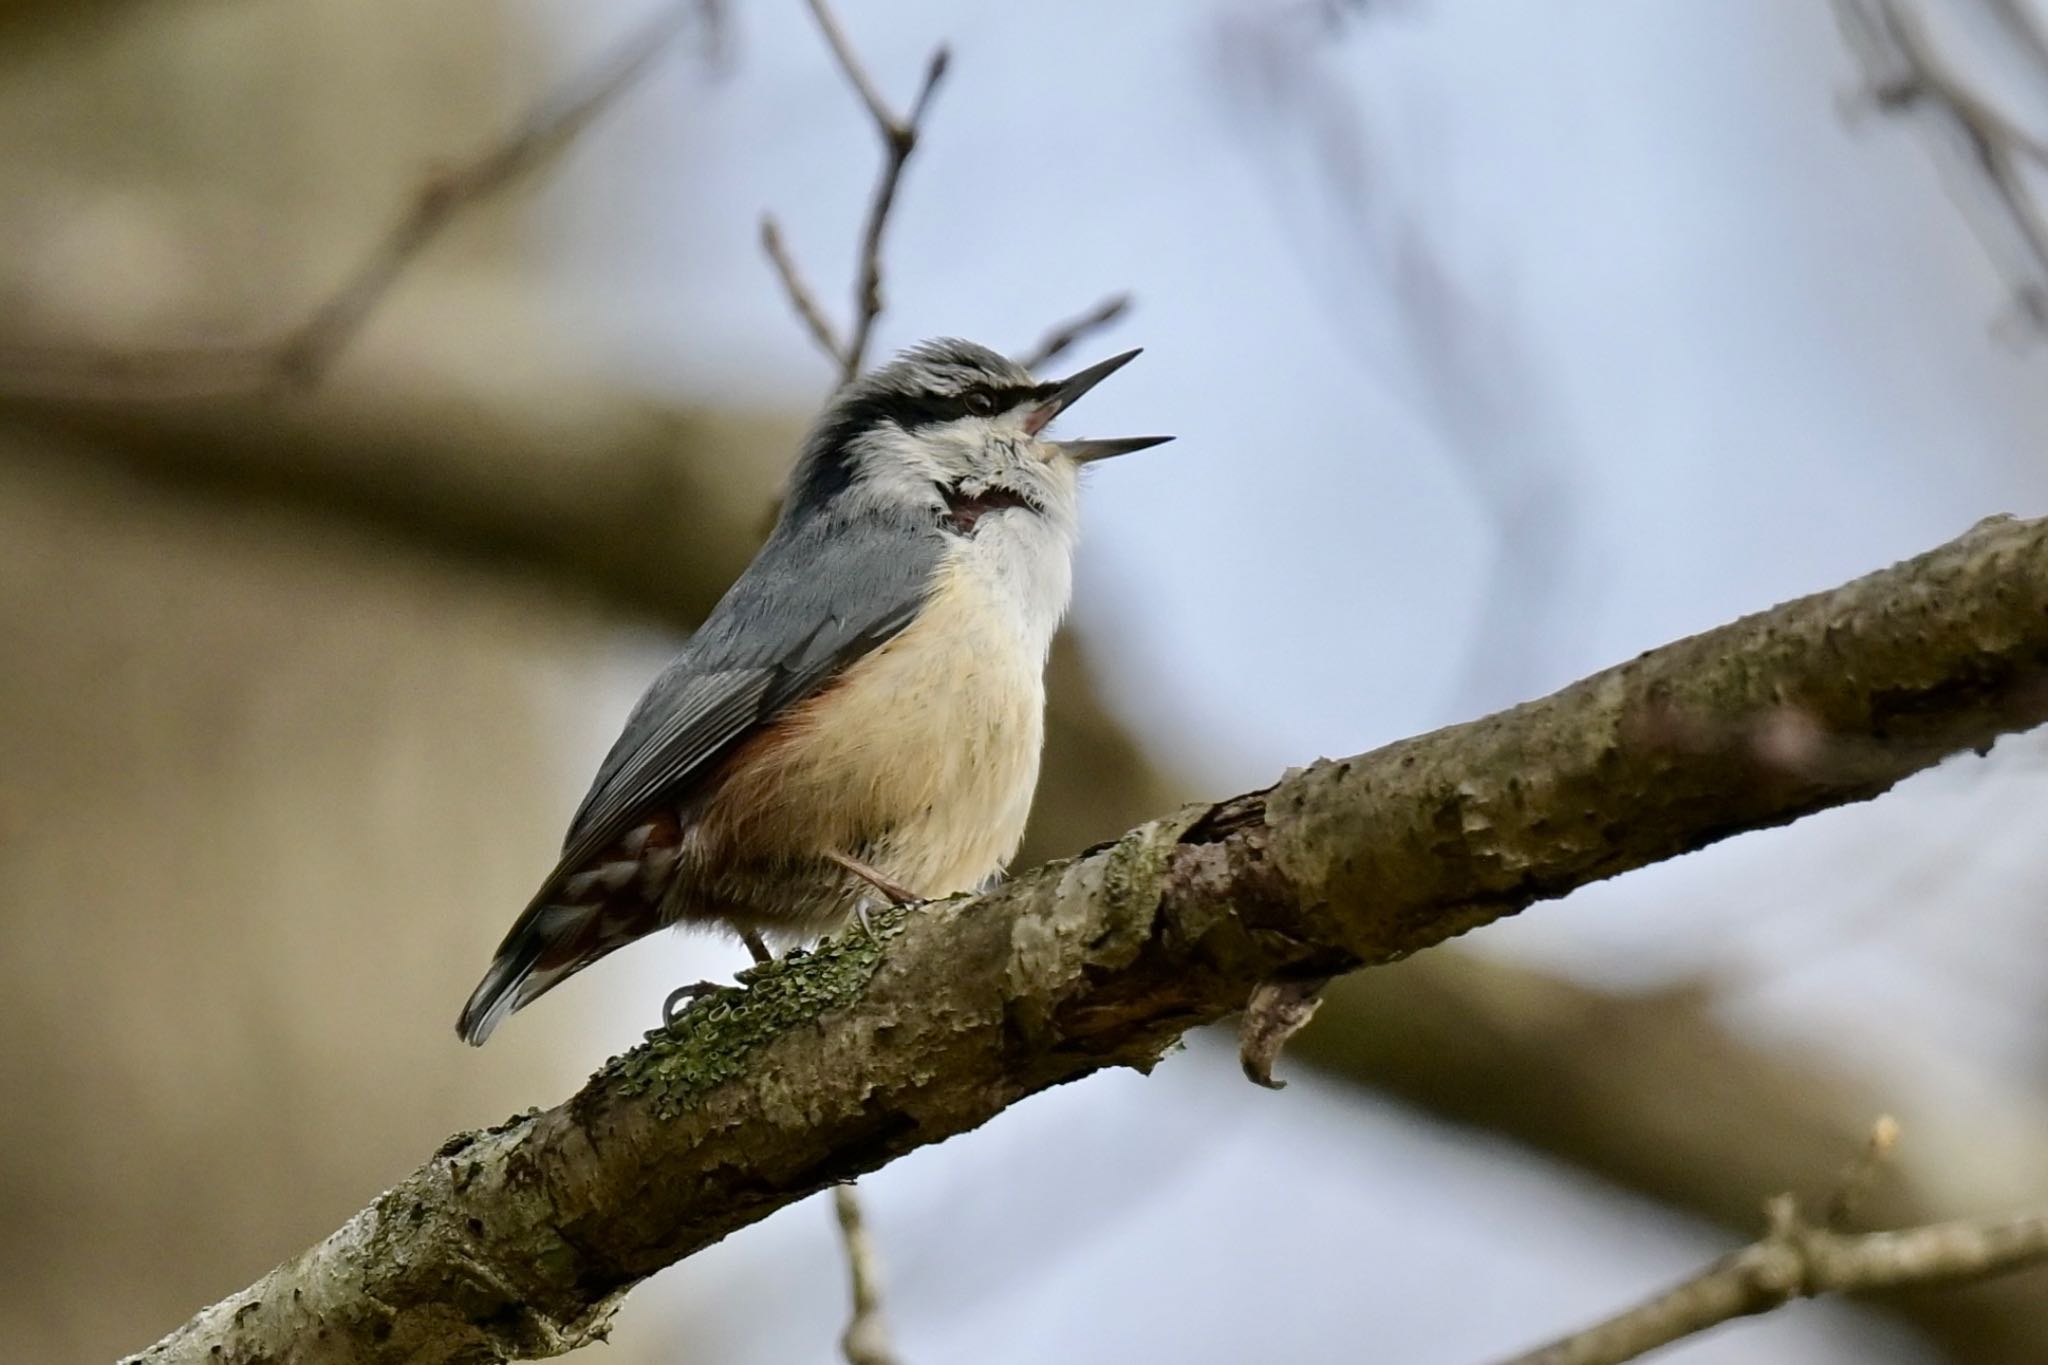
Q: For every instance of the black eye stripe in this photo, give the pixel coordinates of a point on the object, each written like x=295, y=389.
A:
x=911, y=411
x=829, y=466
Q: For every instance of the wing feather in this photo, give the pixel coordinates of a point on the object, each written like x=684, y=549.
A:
x=815, y=600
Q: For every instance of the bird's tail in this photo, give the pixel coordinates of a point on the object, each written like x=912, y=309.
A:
x=551, y=942
x=543, y=948
x=579, y=916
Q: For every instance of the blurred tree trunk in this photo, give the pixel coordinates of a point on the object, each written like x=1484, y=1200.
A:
x=211, y=710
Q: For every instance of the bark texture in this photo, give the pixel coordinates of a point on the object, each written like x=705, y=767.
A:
x=518, y=1241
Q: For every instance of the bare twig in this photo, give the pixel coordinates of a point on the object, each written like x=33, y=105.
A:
x=850, y=63
x=899, y=136
x=899, y=139
x=1796, y=1260
x=866, y=1341
x=302, y=356
x=1907, y=70
x=2025, y=25
x=1074, y=331
x=800, y=296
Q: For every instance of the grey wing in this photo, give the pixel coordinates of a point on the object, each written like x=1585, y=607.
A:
x=808, y=606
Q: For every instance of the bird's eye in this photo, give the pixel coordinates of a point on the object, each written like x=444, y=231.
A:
x=980, y=402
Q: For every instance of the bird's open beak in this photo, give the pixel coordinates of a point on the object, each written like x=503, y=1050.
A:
x=1066, y=393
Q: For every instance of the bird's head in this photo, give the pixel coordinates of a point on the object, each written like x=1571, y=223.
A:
x=958, y=429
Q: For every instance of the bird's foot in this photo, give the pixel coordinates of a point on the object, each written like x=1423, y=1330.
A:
x=681, y=998
x=896, y=891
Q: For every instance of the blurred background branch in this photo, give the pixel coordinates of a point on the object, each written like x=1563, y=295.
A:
x=1067, y=335
x=302, y=355
x=1653, y=1091
x=866, y=1339
x=1796, y=1259
x=1996, y=165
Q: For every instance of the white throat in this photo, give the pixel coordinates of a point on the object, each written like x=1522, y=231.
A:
x=1023, y=564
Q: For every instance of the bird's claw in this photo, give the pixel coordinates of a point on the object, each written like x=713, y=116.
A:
x=682, y=997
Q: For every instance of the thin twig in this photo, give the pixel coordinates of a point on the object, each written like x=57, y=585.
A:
x=1907, y=70
x=1797, y=1259
x=800, y=296
x=866, y=1340
x=303, y=355
x=2024, y=23
x=899, y=136
x=850, y=63
x=1074, y=331
x=1804, y=1262
x=899, y=139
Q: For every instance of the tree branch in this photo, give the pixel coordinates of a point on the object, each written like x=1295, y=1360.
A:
x=1796, y=1260
x=519, y=1241
x=1074, y=331
x=302, y=355
x=801, y=296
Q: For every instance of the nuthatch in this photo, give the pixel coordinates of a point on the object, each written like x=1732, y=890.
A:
x=863, y=711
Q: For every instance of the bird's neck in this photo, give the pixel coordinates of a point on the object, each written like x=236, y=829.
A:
x=1023, y=562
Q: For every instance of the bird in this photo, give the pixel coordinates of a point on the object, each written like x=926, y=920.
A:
x=861, y=714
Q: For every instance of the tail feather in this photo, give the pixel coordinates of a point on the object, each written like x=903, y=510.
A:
x=497, y=995
x=549, y=944
x=579, y=916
